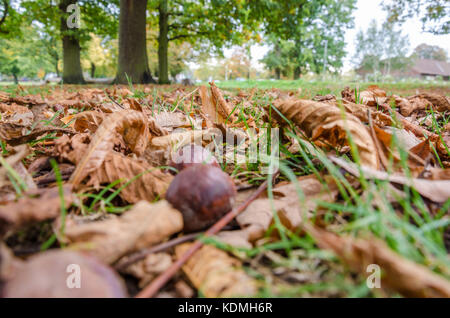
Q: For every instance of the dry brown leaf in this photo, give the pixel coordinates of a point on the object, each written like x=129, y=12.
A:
x=131, y=125
x=14, y=159
x=361, y=111
x=256, y=219
x=179, y=139
x=87, y=121
x=38, y=205
x=15, y=121
x=209, y=109
x=151, y=184
x=220, y=103
x=404, y=276
x=373, y=96
x=435, y=190
x=441, y=103
x=149, y=267
x=324, y=124
x=144, y=225
x=169, y=120
x=216, y=274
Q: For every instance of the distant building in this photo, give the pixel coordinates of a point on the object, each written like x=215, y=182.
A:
x=419, y=68
x=429, y=68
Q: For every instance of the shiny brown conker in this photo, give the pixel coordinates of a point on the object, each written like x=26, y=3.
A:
x=190, y=155
x=64, y=274
x=203, y=194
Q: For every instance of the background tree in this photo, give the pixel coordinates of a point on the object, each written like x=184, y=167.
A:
x=306, y=35
x=434, y=14
x=99, y=17
x=133, y=60
x=10, y=19
x=381, y=49
x=205, y=24
x=24, y=56
x=432, y=52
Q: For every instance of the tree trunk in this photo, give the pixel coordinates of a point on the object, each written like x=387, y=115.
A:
x=133, y=62
x=297, y=72
x=72, y=72
x=163, y=43
x=92, y=70
x=56, y=68
x=16, y=80
x=278, y=73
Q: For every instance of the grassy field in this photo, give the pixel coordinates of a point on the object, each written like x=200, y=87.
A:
x=311, y=88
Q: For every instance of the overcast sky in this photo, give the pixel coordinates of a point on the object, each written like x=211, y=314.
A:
x=366, y=10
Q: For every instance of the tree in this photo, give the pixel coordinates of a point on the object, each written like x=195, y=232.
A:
x=10, y=19
x=307, y=35
x=133, y=61
x=432, y=52
x=25, y=55
x=204, y=24
x=381, y=49
x=98, y=17
x=434, y=14
x=72, y=72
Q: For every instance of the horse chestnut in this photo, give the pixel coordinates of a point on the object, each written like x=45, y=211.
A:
x=203, y=194
x=64, y=274
x=192, y=155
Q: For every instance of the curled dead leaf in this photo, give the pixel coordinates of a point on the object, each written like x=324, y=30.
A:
x=216, y=274
x=221, y=104
x=435, y=190
x=145, y=182
x=144, y=225
x=130, y=124
x=327, y=125
x=406, y=277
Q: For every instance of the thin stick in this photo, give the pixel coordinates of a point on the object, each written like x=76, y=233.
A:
x=162, y=279
x=133, y=258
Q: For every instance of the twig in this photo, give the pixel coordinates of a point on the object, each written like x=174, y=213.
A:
x=162, y=279
x=133, y=258
x=183, y=98
x=114, y=101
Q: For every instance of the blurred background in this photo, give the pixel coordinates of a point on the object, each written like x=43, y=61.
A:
x=234, y=42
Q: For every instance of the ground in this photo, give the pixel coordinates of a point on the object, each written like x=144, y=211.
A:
x=354, y=219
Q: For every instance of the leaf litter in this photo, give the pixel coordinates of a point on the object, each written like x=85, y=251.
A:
x=364, y=179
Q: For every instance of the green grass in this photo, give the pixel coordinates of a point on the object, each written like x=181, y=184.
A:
x=311, y=88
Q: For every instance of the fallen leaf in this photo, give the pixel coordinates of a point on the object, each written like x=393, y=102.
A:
x=149, y=267
x=150, y=183
x=325, y=124
x=108, y=240
x=36, y=206
x=216, y=274
x=131, y=125
x=209, y=109
x=290, y=208
x=221, y=104
x=402, y=275
x=435, y=190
